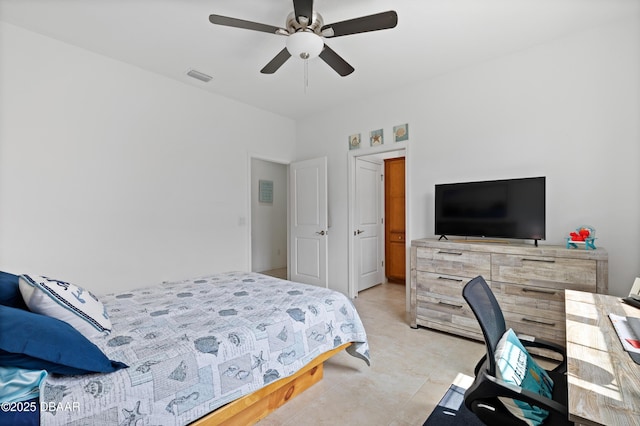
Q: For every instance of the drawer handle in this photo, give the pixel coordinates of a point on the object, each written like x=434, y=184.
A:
x=526, y=259
x=535, y=290
x=452, y=305
x=551, y=324
x=450, y=279
x=456, y=253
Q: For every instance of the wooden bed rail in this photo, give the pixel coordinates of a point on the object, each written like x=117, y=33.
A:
x=257, y=405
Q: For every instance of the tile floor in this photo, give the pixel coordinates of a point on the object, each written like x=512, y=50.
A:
x=410, y=371
x=278, y=273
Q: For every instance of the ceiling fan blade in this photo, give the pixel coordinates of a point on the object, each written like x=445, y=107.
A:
x=335, y=61
x=303, y=8
x=378, y=21
x=247, y=25
x=276, y=62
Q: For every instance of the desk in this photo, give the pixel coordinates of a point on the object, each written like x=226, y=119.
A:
x=603, y=380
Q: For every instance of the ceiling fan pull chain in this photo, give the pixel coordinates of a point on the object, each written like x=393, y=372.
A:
x=306, y=75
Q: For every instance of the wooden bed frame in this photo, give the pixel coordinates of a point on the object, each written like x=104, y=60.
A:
x=257, y=405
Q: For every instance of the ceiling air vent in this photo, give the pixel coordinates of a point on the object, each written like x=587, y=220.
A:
x=199, y=76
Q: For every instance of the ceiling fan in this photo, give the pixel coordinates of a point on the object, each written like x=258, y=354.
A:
x=305, y=31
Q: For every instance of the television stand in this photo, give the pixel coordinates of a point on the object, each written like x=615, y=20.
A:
x=528, y=281
x=443, y=236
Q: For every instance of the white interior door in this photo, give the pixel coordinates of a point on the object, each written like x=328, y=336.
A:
x=368, y=235
x=308, y=235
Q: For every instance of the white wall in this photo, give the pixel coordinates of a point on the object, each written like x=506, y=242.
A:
x=268, y=220
x=112, y=177
x=568, y=110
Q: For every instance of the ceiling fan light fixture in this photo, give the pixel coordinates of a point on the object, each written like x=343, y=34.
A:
x=304, y=44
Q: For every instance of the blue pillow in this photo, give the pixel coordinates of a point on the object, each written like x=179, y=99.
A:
x=10, y=291
x=38, y=342
x=515, y=365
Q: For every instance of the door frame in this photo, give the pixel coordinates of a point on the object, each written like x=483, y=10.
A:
x=351, y=189
x=256, y=156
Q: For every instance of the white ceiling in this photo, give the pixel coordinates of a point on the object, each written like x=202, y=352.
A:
x=169, y=37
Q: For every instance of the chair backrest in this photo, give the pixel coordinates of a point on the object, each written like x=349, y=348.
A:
x=635, y=288
x=485, y=307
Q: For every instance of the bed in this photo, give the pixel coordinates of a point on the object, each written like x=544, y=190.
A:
x=224, y=348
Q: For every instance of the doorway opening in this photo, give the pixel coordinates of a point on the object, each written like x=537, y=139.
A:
x=269, y=205
x=400, y=247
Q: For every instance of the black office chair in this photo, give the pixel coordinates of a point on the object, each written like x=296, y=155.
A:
x=482, y=396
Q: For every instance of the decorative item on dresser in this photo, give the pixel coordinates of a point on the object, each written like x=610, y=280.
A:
x=528, y=281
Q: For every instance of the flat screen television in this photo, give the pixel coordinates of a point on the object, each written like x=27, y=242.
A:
x=508, y=208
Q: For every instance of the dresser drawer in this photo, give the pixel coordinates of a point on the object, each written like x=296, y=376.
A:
x=540, y=328
x=440, y=298
x=460, y=263
x=536, y=311
x=447, y=286
x=440, y=304
x=539, y=271
x=523, y=296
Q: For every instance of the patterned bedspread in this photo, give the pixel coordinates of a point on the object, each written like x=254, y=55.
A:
x=195, y=345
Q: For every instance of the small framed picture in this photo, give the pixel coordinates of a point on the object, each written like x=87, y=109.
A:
x=376, y=137
x=265, y=191
x=401, y=132
x=354, y=141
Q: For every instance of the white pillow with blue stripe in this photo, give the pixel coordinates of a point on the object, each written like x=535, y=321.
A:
x=66, y=302
x=515, y=365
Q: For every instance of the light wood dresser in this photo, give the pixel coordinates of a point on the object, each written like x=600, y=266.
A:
x=528, y=281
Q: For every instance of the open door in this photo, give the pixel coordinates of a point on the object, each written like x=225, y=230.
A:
x=309, y=221
x=394, y=220
x=368, y=236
